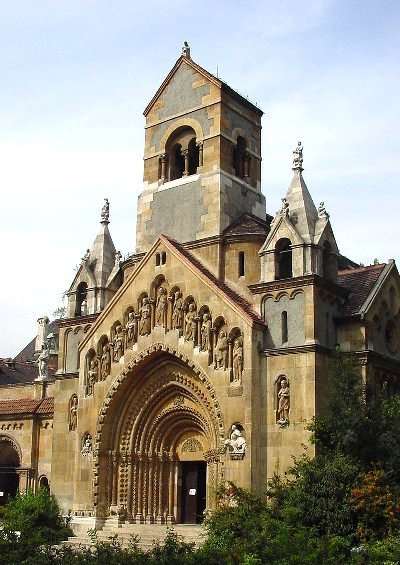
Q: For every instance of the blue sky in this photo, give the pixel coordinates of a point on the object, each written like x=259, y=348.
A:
x=76, y=76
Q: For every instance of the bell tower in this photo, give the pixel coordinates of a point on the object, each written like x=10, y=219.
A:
x=202, y=157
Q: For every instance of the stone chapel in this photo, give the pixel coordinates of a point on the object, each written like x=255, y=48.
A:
x=201, y=356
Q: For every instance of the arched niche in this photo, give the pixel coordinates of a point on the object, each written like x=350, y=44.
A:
x=10, y=461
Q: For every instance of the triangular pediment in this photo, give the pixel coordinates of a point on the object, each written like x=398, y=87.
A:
x=281, y=227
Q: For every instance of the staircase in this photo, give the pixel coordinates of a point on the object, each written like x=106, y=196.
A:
x=148, y=534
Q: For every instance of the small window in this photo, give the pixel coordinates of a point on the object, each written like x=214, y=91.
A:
x=241, y=264
x=158, y=259
x=163, y=258
x=284, y=326
x=283, y=259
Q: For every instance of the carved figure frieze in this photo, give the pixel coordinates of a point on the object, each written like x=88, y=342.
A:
x=191, y=444
x=221, y=351
x=178, y=311
x=145, y=317
x=130, y=329
x=118, y=343
x=190, y=323
x=236, y=444
x=87, y=445
x=205, y=344
x=105, y=363
x=73, y=413
x=237, y=361
x=92, y=375
x=283, y=402
x=161, y=307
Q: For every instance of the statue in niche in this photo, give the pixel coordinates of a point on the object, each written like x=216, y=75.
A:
x=130, y=329
x=42, y=362
x=237, y=362
x=205, y=332
x=84, y=307
x=177, y=312
x=236, y=443
x=161, y=307
x=105, y=364
x=93, y=375
x=145, y=317
x=87, y=445
x=190, y=322
x=221, y=351
x=283, y=403
x=118, y=344
x=73, y=413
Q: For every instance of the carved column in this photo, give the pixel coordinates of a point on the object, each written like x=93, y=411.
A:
x=145, y=478
x=133, y=487
x=150, y=475
x=185, y=153
x=171, y=489
x=160, y=513
x=139, y=515
x=114, y=492
x=164, y=160
x=197, y=337
x=212, y=458
x=130, y=465
x=230, y=358
x=200, y=146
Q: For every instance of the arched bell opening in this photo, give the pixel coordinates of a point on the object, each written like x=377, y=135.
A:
x=155, y=443
x=10, y=461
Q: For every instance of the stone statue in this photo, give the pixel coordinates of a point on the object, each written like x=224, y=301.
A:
x=236, y=443
x=118, y=343
x=130, y=329
x=221, y=351
x=186, y=49
x=105, y=364
x=92, y=375
x=237, y=363
x=298, y=157
x=284, y=211
x=322, y=213
x=118, y=258
x=190, y=323
x=205, y=332
x=73, y=413
x=283, y=403
x=145, y=317
x=161, y=307
x=87, y=445
x=105, y=211
x=86, y=257
x=42, y=362
x=84, y=307
x=177, y=312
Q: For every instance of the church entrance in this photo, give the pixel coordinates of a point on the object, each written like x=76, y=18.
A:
x=9, y=462
x=193, y=491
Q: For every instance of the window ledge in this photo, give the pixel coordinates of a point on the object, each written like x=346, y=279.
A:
x=178, y=182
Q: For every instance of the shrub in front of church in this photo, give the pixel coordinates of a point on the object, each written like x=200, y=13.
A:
x=31, y=520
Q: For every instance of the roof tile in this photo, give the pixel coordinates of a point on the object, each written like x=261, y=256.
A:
x=359, y=282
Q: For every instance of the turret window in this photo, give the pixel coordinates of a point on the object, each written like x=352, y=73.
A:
x=81, y=308
x=283, y=259
x=241, y=264
x=284, y=327
x=183, y=155
x=241, y=159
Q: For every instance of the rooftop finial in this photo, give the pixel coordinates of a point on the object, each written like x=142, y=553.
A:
x=186, y=49
x=105, y=212
x=298, y=158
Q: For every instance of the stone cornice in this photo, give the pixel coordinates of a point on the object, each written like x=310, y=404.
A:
x=296, y=282
x=68, y=322
x=296, y=349
x=369, y=357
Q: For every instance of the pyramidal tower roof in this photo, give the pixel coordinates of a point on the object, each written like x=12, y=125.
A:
x=102, y=252
x=303, y=213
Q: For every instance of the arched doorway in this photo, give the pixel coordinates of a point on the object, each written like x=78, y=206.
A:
x=10, y=460
x=160, y=438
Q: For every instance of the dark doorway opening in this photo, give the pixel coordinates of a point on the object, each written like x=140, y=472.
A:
x=9, y=481
x=193, y=491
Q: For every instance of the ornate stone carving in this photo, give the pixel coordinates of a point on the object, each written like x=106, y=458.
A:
x=237, y=362
x=145, y=317
x=161, y=307
x=298, y=157
x=179, y=400
x=322, y=213
x=87, y=445
x=221, y=351
x=130, y=329
x=86, y=257
x=191, y=444
x=177, y=312
x=186, y=49
x=236, y=443
x=284, y=211
x=190, y=323
x=118, y=258
x=73, y=413
x=118, y=343
x=42, y=362
x=105, y=362
x=283, y=402
x=105, y=212
x=92, y=375
x=205, y=332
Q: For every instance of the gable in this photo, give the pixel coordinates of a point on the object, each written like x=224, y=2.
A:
x=283, y=228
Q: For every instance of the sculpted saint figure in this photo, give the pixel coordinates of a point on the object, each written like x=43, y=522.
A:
x=93, y=375
x=283, y=403
x=105, y=211
x=236, y=443
x=298, y=157
x=177, y=312
x=145, y=317
x=105, y=362
x=161, y=307
x=118, y=345
x=130, y=329
x=87, y=445
x=42, y=362
x=221, y=351
x=205, y=332
x=190, y=324
x=73, y=412
x=237, y=359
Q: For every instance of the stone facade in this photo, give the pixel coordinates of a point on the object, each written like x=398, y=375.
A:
x=200, y=357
